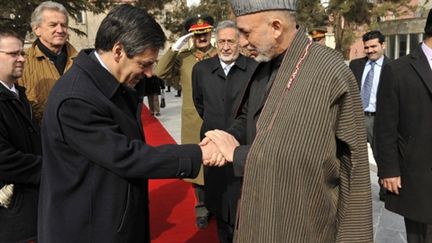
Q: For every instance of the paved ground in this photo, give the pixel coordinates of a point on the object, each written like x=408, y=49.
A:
x=388, y=227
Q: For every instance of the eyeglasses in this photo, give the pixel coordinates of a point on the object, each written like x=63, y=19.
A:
x=229, y=42
x=14, y=54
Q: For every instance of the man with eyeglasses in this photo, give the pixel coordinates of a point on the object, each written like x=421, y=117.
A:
x=20, y=148
x=178, y=62
x=217, y=86
x=49, y=56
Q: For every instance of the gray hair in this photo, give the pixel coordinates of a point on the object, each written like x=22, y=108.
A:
x=227, y=24
x=36, y=17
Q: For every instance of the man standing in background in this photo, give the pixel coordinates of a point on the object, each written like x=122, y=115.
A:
x=218, y=85
x=367, y=71
x=20, y=148
x=49, y=56
x=181, y=62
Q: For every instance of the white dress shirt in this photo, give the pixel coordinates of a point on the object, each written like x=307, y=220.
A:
x=377, y=74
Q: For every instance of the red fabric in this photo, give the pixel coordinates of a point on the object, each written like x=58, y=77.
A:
x=172, y=217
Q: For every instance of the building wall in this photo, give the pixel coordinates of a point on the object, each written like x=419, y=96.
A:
x=402, y=33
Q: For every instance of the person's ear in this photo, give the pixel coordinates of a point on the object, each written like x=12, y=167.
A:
x=118, y=51
x=276, y=25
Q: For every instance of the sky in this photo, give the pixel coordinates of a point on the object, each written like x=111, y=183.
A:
x=192, y=2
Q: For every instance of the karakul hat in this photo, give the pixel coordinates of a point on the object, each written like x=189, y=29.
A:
x=428, y=26
x=243, y=7
x=202, y=23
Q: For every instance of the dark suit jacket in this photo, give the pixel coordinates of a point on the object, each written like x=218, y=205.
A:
x=96, y=164
x=403, y=134
x=216, y=98
x=244, y=127
x=357, y=67
x=20, y=164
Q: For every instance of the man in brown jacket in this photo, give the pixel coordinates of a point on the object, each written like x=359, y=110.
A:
x=306, y=177
x=49, y=56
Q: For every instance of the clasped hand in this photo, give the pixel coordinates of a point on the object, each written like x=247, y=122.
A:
x=218, y=148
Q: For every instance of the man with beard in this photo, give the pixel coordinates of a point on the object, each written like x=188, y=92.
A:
x=177, y=64
x=20, y=148
x=306, y=171
x=49, y=56
x=217, y=86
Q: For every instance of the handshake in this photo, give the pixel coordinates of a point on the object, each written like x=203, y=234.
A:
x=218, y=148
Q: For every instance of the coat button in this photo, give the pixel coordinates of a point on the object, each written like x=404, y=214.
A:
x=182, y=174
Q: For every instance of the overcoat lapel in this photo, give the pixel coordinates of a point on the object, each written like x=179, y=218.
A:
x=421, y=66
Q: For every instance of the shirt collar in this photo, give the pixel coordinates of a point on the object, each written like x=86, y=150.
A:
x=101, y=62
x=226, y=66
x=12, y=89
x=378, y=62
x=427, y=51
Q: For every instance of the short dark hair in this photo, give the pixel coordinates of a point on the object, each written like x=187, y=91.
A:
x=132, y=27
x=374, y=34
x=9, y=33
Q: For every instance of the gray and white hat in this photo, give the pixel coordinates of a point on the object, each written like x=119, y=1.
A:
x=243, y=7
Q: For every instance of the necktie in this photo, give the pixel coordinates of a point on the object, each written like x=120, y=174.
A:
x=367, y=86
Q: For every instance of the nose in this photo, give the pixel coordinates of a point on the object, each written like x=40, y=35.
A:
x=21, y=58
x=148, y=72
x=59, y=28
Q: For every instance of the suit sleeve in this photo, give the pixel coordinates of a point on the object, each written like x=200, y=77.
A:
x=97, y=137
x=197, y=92
x=17, y=166
x=386, y=124
x=238, y=130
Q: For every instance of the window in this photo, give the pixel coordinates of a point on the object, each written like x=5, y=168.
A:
x=401, y=45
x=80, y=17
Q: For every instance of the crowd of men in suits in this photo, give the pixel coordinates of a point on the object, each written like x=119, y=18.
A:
x=281, y=132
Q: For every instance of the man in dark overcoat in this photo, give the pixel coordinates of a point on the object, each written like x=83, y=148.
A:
x=403, y=137
x=306, y=173
x=217, y=87
x=20, y=148
x=94, y=175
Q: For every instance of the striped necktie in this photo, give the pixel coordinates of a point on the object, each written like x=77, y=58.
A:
x=367, y=86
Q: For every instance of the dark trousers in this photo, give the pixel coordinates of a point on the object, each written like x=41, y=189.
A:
x=225, y=231
x=369, y=119
x=418, y=232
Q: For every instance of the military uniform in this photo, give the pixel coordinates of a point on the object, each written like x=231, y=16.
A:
x=178, y=65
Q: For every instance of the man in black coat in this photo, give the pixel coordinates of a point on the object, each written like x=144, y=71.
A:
x=403, y=137
x=20, y=148
x=94, y=175
x=367, y=71
x=217, y=87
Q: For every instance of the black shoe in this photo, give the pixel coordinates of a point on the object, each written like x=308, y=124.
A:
x=201, y=222
x=157, y=114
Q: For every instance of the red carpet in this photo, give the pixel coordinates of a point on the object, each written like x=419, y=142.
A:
x=172, y=201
